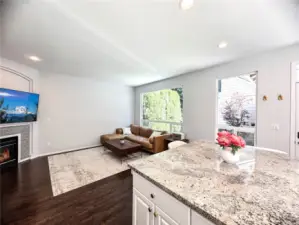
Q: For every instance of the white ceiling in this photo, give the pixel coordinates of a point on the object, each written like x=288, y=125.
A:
x=140, y=41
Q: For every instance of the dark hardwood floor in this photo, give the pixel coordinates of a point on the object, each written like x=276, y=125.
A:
x=27, y=198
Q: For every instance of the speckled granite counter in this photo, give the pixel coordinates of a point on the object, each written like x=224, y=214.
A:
x=263, y=193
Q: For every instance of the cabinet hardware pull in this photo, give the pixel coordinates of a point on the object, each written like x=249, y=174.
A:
x=152, y=196
x=149, y=209
x=155, y=214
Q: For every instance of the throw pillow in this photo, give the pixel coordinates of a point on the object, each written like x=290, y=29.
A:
x=127, y=131
x=155, y=133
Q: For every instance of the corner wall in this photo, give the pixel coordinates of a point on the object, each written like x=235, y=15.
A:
x=75, y=111
x=274, y=73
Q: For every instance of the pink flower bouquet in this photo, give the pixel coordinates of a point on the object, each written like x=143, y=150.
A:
x=227, y=140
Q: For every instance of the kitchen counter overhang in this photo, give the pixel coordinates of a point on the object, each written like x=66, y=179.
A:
x=260, y=191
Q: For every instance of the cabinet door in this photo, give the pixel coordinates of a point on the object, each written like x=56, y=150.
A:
x=143, y=209
x=161, y=218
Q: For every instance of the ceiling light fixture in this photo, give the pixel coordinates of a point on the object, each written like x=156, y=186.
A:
x=222, y=44
x=34, y=58
x=186, y=4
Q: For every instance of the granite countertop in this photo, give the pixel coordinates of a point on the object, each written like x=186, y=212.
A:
x=264, y=191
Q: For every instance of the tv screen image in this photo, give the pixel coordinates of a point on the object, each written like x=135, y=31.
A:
x=18, y=106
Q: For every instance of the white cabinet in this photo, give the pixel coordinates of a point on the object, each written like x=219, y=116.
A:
x=167, y=209
x=146, y=213
x=142, y=209
x=153, y=206
x=161, y=218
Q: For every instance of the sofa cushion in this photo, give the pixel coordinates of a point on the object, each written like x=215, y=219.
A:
x=145, y=132
x=126, y=130
x=119, y=131
x=140, y=140
x=147, y=145
x=155, y=134
x=135, y=129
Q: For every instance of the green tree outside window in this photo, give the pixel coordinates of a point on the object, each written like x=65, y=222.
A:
x=164, y=105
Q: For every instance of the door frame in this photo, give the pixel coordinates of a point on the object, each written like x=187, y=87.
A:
x=256, y=104
x=293, y=153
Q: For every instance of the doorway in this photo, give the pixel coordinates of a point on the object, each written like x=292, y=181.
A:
x=297, y=119
x=294, y=135
x=236, y=106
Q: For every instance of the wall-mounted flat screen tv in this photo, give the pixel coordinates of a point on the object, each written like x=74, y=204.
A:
x=18, y=106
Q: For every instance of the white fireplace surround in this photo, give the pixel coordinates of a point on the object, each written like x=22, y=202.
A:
x=19, y=145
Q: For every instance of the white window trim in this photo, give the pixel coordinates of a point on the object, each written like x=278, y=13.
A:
x=141, y=107
x=293, y=153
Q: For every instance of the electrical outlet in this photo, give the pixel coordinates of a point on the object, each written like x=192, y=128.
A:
x=275, y=126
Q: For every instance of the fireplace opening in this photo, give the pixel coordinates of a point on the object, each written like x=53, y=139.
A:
x=8, y=152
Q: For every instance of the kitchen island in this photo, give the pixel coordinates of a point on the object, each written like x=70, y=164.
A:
x=264, y=192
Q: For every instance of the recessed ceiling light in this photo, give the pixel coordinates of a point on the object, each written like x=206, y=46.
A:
x=222, y=44
x=186, y=4
x=34, y=58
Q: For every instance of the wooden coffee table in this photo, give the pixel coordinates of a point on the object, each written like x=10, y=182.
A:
x=122, y=150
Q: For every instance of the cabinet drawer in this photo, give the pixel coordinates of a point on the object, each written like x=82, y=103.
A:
x=170, y=205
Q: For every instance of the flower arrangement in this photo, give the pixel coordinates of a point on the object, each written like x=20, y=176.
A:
x=228, y=140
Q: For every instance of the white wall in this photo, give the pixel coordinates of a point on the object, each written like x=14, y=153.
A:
x=200, y=96
x=74, y=112
x=14, y=82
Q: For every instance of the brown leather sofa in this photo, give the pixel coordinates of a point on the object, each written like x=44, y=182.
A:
x=140, y=135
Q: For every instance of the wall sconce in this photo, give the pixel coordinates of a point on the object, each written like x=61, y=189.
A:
x=280, y=97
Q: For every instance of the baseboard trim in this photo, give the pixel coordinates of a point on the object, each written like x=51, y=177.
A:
x=24, y=160
x=65, y=151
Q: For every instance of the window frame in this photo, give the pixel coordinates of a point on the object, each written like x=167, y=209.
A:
x=167, y=88
x=256, y=104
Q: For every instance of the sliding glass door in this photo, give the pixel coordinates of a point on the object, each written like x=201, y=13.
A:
x=236, y=109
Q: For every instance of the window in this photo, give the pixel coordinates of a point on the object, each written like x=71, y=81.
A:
x=163, y=110
x=237, y=106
